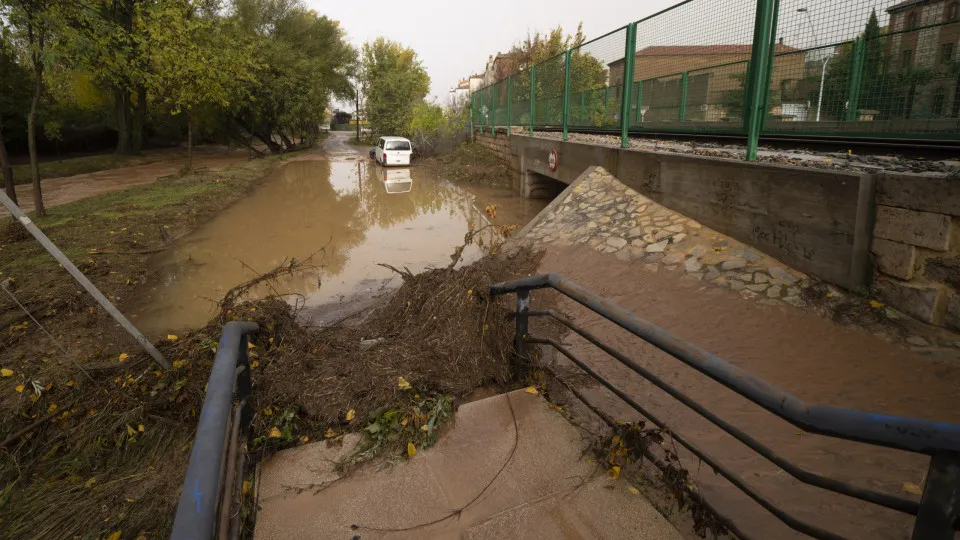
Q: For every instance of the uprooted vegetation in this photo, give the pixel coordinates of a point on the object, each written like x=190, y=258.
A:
x=96, y=451
x=473, y=164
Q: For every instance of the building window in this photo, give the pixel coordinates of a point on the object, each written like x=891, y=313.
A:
x=953, y=12
x=946, y=53
x=939, y=100
x=907, y=59
x=911, y=21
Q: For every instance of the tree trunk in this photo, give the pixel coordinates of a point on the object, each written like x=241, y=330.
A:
x=189, y=141
x=32, y=127
x=287, y=143
x=139, y=121
x=121, y=108
x=6, y=171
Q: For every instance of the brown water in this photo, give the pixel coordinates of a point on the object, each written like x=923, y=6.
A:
x=348, y=214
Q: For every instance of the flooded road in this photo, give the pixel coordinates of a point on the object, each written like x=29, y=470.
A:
x=339, y=212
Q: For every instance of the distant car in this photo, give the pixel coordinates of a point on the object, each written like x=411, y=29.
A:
x=393, y=151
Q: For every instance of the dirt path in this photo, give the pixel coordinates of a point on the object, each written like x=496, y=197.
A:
x=755, y=313
x=57, y=191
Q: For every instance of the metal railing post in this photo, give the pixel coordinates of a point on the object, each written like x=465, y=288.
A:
x=684, y=80
x=640, y=101
x=566, y=92
x=522, y=329
x=856, y=78
x=533, y=96
x=493, y=110
x=758, y=75
x=940, y=502
x=509, y=99
x=627, y=85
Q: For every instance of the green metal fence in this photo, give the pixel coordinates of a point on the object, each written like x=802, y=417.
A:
x=816, y=68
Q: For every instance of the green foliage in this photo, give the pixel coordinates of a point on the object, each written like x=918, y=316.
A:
x=434, y=130
x=395, y=83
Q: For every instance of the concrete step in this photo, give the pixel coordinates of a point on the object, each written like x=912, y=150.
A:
x=511, y=467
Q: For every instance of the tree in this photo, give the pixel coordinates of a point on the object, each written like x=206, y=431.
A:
x=13, y=98
x=396, y=83
x=193, y=59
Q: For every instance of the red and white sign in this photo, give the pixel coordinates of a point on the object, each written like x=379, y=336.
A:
x=553, y=161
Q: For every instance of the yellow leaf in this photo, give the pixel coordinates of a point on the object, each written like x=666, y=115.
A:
x=19, y=388
x=255, y=364
x=425, y=427
x=411, y=449
x=275, y=433
x=89, y=483
x=131, y=431
x=6, y=372
x=910, y=487
x=304, y=439
x=351, y=414
x=634, y=490
x=875, y=304
x=246, y=487
x=402, y=383
x=123, y=357
x=469, y=292
x=404, y=422
x=268, y=411
x=115, y=535
x=250, y=345
x=172, y=337
x=140, y=428
x=71, y=382
x=52, y=407
x=177, y=364
x=330, y=433
x=614, y=472
x=530, y=390
x=129, y=500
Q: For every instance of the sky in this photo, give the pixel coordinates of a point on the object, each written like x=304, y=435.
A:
x=454, y=39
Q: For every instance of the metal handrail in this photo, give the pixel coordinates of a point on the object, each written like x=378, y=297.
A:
x=940, y=503
x=209, y=483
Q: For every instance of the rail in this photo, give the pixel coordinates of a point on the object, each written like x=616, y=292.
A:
x=939, y=506
x=215, y=472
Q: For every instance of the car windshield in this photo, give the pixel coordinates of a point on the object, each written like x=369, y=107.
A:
x=398, y=145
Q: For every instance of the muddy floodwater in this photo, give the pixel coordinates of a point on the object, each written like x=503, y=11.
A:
x=340, y=212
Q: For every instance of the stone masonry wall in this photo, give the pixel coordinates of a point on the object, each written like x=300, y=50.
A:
x=497, y=144
x=916, y=247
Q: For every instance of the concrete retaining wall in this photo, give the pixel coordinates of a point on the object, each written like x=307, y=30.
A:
x=817, y=221
x=916, y=248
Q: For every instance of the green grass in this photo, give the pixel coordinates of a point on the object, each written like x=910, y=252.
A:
x=89, y=164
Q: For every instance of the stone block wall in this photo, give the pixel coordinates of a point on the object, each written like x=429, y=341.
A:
x=497, y=144
x=916, y=246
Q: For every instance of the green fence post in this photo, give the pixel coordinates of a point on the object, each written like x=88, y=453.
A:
x=533, y=95
x=493, y=110
x=684, y=79
x=509, y=99
x=639, y=101
x=856, y=79
x=773, y=54
x=566, y=92
x=758, y=76
x=627, y=85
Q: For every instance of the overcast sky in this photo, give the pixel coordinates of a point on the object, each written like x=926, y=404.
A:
x=455, y=38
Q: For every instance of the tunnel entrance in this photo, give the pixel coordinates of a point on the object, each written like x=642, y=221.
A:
x=537, y=186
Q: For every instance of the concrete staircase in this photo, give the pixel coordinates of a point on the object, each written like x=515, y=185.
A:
x=511, y=467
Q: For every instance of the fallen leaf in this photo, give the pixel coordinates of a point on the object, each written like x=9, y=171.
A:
x=268, y=411
x=140, y=428
x=874, y=304
x=131, y=431
x=402, y=383
x=530, y=390
x=6, y=372
x=89, y=483
x=177, y=364
x=52, y=407
x=246, y=487
x=425, y=427
x=304, y=439
x=350, y=414
x=19, y=388
x=634, y=490
x=115, y=535
x=275, y=433
x=910, y=487
x=250, y=345
x=330, y=433
x=255, y=364
x=614, y=472
x=411, y=449
x=123, y=357
x=71, y=382
x=172, y=337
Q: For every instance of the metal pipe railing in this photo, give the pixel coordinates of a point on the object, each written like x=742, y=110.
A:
x=940, y=502
x=202, y=492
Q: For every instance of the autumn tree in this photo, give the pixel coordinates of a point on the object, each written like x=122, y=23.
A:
x=13, y=98
x=396, y=82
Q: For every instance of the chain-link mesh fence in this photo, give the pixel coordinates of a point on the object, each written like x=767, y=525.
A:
x=859, y=67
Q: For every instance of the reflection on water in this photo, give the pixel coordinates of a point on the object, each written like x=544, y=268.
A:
x=347, y=215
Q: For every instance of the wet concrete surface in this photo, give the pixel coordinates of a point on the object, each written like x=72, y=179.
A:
x=342, y=214
x=58, y=191
x=806, y=355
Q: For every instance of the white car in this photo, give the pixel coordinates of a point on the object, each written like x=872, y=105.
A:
x=397, y=180
x=393, y=151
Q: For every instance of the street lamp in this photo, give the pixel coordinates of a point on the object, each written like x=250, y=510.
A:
x=823, y=71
